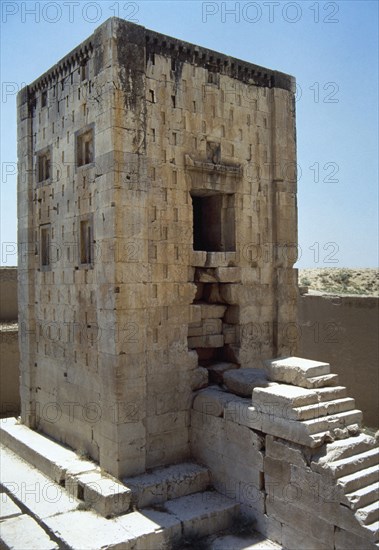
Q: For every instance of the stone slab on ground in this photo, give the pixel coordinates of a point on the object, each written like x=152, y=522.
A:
x=82, y=529
x=24, y=533
x=295, y=370
x=51, y=458
x=243, y=381
x=8, y=509
x=32, y=488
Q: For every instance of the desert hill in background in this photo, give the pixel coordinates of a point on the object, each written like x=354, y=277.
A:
x=341, y=280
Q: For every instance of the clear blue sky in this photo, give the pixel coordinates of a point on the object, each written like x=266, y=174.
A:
x=331, y=48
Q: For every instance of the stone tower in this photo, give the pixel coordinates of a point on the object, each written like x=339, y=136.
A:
x=157, y=234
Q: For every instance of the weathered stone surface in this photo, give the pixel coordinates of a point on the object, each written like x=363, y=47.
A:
x=253, y=542
x=284, y=451
x=168, y=483
x=282, y=396
x=304, y=521
x=24, y=532
x=295, y=370
x=202, y=514
x=105, y=495
x=228, y=274
x=8, y=509
x=345, y=540
x=348, y=465
x=212, y=311
x=320, y=381
x=243, y=381
x=217, y=371
x=200, y=378
x=345, y=448
x=212, y=400
x=208, y=341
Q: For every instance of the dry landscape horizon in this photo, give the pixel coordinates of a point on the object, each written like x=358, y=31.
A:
x=344, y=280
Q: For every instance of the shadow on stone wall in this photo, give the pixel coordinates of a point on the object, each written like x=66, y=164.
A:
x=9, y=354
x=343, y=331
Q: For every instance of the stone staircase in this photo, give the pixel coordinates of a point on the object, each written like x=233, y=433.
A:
x=69, y=498
x=316, y=461
x=353, y=463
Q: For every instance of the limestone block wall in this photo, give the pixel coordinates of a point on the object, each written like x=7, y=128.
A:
x=157, y=182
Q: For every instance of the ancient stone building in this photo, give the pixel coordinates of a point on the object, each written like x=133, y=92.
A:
x=157, y=235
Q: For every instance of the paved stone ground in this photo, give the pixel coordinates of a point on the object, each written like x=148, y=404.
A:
x=31, y=518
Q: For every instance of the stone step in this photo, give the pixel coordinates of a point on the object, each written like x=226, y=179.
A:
x=203, y=514
x=368, y=514
x=348, y=447
x=255, y=541
x=319, y=381
x=167, y=483
x=168, y=526
x=325, y=408
x=374, y=530
x=362, y=497
x=349, y=465
x=294, y=370
x=51, y=458
x=330, y=393
x=8, y=508
x=358, y=480
x=31, y=488
x=83, y=478
x=340, y=420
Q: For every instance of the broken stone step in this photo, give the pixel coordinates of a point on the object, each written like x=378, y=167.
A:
x=293, y=370
x=373, y=528
x=358, y=480
x=282, y=396
x=203, y=514
x=340, y=420
x=327, y=408
x=330, y=393
x=347, y=447
x=24, y=532
x=346, y=466
x=368, y=514
x=319, y=381
x=167, y=483
x=362, y=497
x=46, y=455
x=104, y=494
